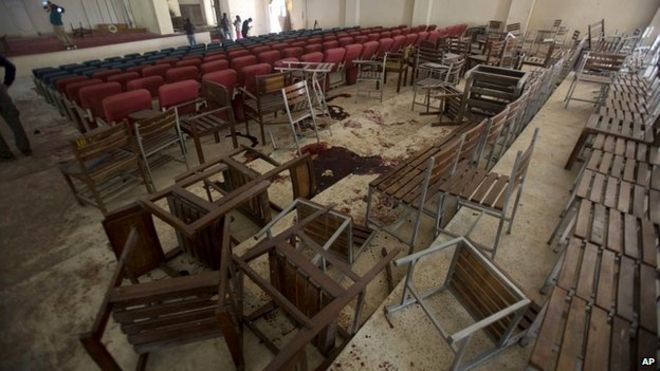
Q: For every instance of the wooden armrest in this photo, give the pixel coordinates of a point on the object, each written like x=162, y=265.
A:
x=246, y=93
x=221, y=109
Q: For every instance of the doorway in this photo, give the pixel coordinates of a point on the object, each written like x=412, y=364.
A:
x=193, y=12
x=278, y=16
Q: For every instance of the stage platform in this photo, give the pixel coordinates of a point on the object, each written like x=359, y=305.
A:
x=26, y=63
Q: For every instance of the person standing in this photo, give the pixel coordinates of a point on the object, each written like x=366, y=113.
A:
x=237, y=27
x=245, y=31
x=10, y=114
x=224, y=26
x=190, y=32
x=58, y=27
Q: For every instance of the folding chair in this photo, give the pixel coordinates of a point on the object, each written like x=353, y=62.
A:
x=483, y=290
x=264, y=98
x=299, y=110
x=595, y=68
x=489, y=193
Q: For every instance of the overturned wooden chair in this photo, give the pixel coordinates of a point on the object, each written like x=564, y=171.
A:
x=167, y=312
x=297, y=285
x=481, y=287
x=105, y=164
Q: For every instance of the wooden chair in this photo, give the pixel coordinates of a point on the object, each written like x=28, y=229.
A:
x=236, y=173
x=398, y=62
x=158, y=133
x=489, y=193
x=596, y=68
x=162, y=313
x=481, y=287
x=266, y=98
x=300, y=111
x=298, y=286
x=492, y=54
x=438, y=81
x=218, y=117
x=105, y=164
x=544, y=59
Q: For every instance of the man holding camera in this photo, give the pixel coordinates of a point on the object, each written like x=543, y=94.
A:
x=58, y=27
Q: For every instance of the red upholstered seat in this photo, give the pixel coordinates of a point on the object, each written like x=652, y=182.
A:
x=137, y=69
x=315, y=40
x=361, y=39
x=171, y=61
x=189, y=57
x=251, y=72
x=118, y=107
x=217, y=65
x=237, y=64
x=63, y=83
x=123, y=78
x=384, y=46
x=353, y=52
x=157, y=70
x=311, y=48
x=433, y=37
x=330, y=44
x=373, y=37
x=238, y=53
x=336, y=56
x=385, y=34
x=91, y=97
x=214, y=57
x=179, y=93
x=411, y=39
x=151, y=83
x=295, y=52
x=396, y=32
x=398, y=43
x=181, y=73
x=269, y=56
x=280, y=46
x=71, y=90
x=431, y=28
x=421, y=36
x=312, y=57
x=189, y=62
x=347, y=40
x=227, y=78
x=103, y=75
x=259, y=49
x=298, y=44
x=369, y=49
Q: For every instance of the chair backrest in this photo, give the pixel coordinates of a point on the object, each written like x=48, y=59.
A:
x=330, y=44
x=179, y=93
x=496, y=126
x=91, y=97
x=181, y=74
x=353, y=52
x=157, y=70
x=250, y=74
x=314, y=57
x=118, y=107
x=61, y=84
x=237, y=64
x=151, y=83
x=453, y=76
x=295, y=52
x=226, y=78
x=494, y=26
x=217, y=95
x=271, y=83
x=189, y=62
x=98, y=143
x=296, y=99
x=513, y=28
x=494, y=49
x=473, y=140
x=215, y=57
x=164, y=122
x=213, y=66
x=369, y=49
x=384, y=46
x=72, y=90
x=517, y=108
x=312, y=48
x=269, y=56
x=123, y=78
x=521, y=165
x=335, y=56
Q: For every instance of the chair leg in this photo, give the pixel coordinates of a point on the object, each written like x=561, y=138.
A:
x=198, y=148
x=515, y=208
x=438, y=217
x=498, y=236
x=569, y=93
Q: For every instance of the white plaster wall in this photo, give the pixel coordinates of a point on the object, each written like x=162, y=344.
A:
x=385, y=12
x=255, y=9
x=472, y=12
x=619, y=15
x=329, y=13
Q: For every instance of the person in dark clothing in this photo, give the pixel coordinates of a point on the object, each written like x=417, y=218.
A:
x=10, y=114
x=55, y=19
x=190, y=32
x=225, y=27
x=246, y=27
